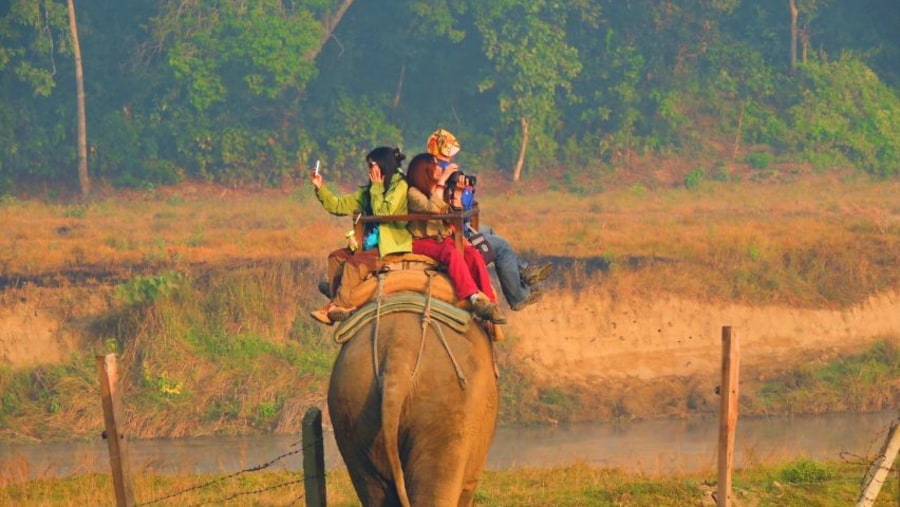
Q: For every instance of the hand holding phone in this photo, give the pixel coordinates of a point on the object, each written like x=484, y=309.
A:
x=315, y=177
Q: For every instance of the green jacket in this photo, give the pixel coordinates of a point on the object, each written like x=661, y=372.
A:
x=393, y=237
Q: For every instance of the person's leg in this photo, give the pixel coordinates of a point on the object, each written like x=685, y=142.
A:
x=336, y=260
x=357, y=267
x=446, y=253
x=479, y=272
x=507, y=266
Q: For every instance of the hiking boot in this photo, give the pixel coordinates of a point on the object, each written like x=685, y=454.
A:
x=532, y=298
x=337, y=313
x=487, y=310
x=533, y=274
x=325, y=289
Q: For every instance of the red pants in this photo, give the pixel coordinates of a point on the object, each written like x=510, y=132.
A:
x=467, y=271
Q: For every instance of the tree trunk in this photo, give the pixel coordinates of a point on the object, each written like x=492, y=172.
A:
x=83, y=178
x=521, y=161
x=792, y=4
x=804, y=43
x=329, y=23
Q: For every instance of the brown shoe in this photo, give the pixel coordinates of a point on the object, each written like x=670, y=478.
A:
x=337, y=313
x=322, y=316
x=533, y=274
x=487, y=310
x=532, y=298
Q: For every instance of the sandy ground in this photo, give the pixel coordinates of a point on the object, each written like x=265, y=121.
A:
x=593, y=337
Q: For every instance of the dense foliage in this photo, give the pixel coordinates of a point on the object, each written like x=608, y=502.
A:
x=240, y=92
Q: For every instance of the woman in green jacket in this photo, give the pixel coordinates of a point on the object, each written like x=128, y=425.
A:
x=384, y=195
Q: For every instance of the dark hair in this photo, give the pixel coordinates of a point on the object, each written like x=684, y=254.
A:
x=420, y=173
x=388, y=159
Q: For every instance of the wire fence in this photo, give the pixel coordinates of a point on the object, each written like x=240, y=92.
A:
x=230, y=476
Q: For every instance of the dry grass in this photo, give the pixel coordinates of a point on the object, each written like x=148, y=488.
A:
x=811, y=242
x=800, y=483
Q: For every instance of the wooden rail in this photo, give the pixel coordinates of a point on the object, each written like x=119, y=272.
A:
x=457, y=219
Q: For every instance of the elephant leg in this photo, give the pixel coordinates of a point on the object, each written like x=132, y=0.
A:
x=467, y=495
x=371, y=487
x=438, y=483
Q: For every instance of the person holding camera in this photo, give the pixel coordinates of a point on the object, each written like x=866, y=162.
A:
x=518, y=279
x=435, y=239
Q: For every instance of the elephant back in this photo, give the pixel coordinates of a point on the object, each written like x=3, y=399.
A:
x=410, y=283
x=407, y=273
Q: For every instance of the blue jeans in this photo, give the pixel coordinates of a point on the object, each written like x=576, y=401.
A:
x=507, y=266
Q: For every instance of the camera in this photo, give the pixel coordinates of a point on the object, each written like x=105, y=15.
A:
x=465, y=186
x=460, y=180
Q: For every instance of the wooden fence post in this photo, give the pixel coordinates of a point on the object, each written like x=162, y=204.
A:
x=313, y=458
x=728, y=413
x=878, y=472
x=112, y=415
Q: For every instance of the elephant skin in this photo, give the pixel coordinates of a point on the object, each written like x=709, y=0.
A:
x=422, y=439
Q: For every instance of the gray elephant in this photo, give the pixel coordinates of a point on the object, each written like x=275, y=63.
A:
x=414, y=420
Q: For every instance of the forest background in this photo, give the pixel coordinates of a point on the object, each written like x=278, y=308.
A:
x=253, y=93
x=632, y=128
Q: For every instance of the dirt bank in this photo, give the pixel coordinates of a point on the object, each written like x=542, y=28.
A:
x=582, y=339
x=596, y=336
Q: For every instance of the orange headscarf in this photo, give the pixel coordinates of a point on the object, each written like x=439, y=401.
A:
x=443, y=144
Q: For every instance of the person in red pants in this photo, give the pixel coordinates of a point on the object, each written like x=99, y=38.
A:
x=435, y=238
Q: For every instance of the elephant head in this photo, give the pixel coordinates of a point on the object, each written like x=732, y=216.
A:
x=413, y=402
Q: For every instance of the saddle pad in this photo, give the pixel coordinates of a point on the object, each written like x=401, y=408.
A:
x=413, y=302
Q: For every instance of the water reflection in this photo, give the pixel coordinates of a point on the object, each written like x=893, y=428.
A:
x=649, y=447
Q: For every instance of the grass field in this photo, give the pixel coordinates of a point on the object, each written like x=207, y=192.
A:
x=794, y=484
x=816, y=241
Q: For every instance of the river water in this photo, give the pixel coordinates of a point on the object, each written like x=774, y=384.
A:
x=648, y=447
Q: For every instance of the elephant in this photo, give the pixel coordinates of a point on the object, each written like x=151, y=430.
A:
x=414, y=421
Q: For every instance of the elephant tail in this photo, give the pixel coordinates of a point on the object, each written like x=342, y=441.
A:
x=395, y=390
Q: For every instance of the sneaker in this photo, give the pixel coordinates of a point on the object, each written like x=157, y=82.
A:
x=325, y=289
x=533, y=274
x=322, y=316
x=337, y=313
x=487, y=310
x=532, y=298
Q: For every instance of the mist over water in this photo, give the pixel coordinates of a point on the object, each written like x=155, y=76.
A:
x=649, y=447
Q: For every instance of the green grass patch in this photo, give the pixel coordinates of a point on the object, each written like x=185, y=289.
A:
x=861, y=382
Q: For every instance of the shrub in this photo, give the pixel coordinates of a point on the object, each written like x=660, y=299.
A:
x=144, y=290
x=845, y=108
x=806, y=472
x=759, y=160
x=693, y=179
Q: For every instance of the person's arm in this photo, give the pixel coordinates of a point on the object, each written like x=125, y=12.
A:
x=420, y=203
x=340, y=205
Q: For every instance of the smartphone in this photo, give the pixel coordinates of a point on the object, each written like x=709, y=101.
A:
x=317, y=168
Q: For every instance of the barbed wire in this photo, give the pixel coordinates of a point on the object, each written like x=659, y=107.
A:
x=253, y=492
x=232, y=475
x=855, y=459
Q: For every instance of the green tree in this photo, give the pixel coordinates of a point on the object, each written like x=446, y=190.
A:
x=532, y=62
